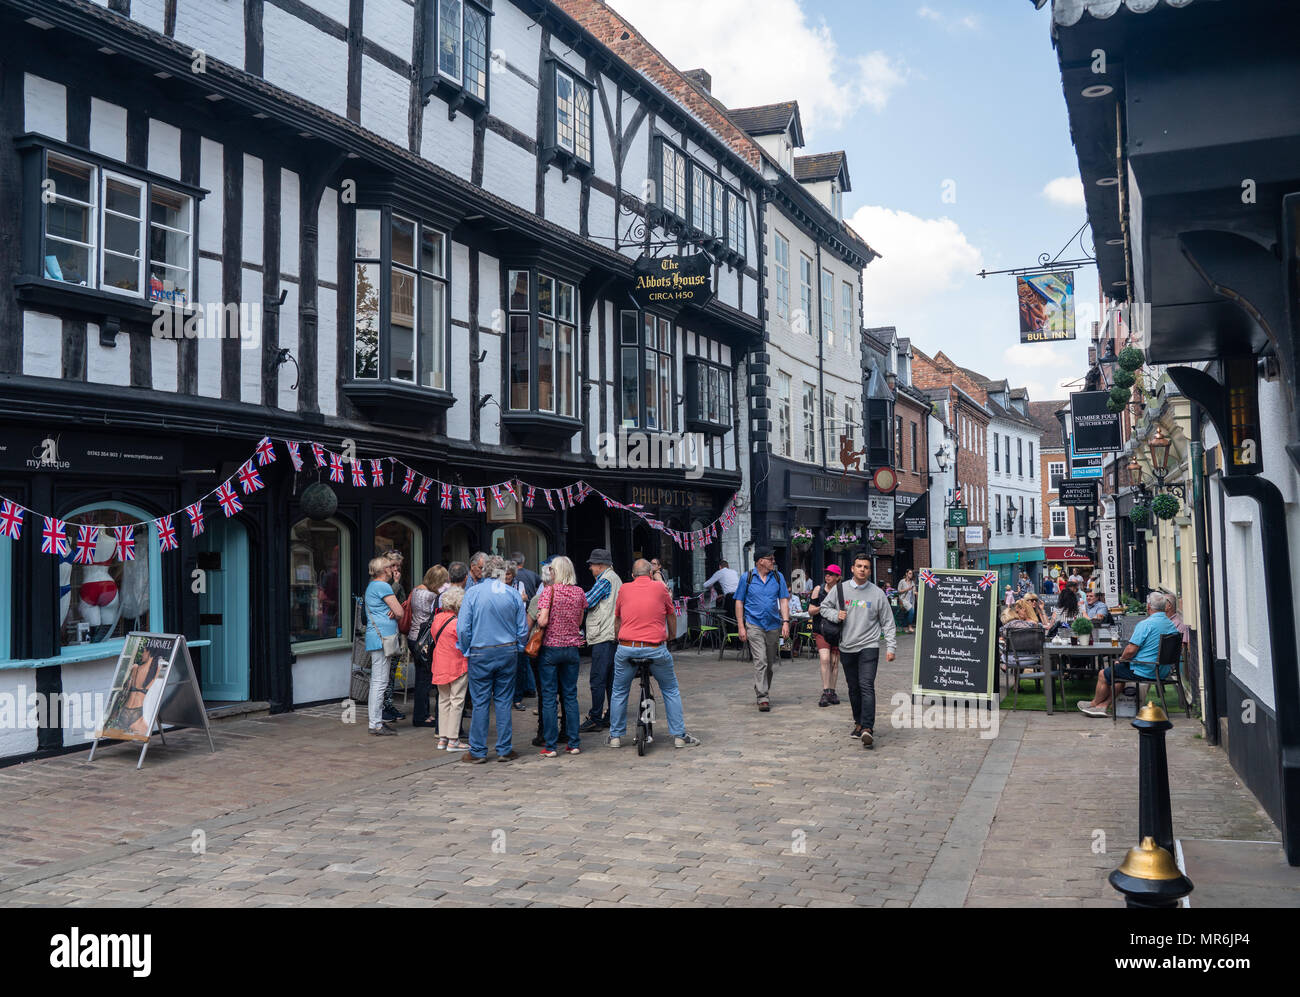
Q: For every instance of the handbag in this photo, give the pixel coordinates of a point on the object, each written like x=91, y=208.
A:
x=534, y=646
x=830, y=628
x=392, y=643
x=404, y=624
x=423, y=645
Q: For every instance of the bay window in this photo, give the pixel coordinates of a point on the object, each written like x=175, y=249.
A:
x=736, y=223
x=568, y=124
x=708, y=397
x=399, y=300
x=108, y=227
x=456, y=52
x=672, y=181
x=542, y=343
x=646, y=367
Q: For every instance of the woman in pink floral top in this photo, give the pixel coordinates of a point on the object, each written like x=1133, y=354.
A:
x=559, y=610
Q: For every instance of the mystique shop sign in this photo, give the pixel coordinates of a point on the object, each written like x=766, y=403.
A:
x=673, y=280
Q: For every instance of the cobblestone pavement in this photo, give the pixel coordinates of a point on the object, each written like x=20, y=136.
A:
x=773, y=809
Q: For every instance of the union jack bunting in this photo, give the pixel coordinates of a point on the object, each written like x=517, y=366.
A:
x=377, y=472
x=294, y=454
x=510, y=490
x=336, y=467
x=927, y=576
x=358, y=474
x=319, y=452
x=496, y=496
x=532, y=494
x=446, y=496
x=988, y=580
x=466, y=499
x=167, y=533
x=480, y=503
x=195, y=512
x=230, y=503
x=265, y=452
x=568, y=494
x=54, y=537
x=422, y=493
x=125, y=538
x=547, y=493
x=559, y=496
x=87, y=540
x=11, y=520
x=408, y=481
x=249, y=480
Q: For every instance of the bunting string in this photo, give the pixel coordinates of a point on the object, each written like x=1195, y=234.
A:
x=57, y=540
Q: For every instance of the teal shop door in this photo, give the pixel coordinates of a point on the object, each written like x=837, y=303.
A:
x=223, y=610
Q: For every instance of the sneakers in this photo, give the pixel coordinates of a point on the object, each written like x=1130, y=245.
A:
x=615, y=742
x=391, y=714
x=588, y=726
x=572, y=751
x=857, y=731
x=826, y=698
x=1087, y=709
x=764, y=706
x=867, y=739
x=548, y=752
x=509, y=756
x=383, y=731
x=835, y=700
x=473, y=759
x=686, y=741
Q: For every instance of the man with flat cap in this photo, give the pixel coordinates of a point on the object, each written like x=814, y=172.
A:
x=763, y=619
x=600, y=636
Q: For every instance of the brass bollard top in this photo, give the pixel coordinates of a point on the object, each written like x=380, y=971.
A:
x=1149, y=861
x=1153, y=713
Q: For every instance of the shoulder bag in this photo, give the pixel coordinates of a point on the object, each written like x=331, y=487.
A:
x=830, y=626
x=392, y=644
x=534, y=646
x=424, y=645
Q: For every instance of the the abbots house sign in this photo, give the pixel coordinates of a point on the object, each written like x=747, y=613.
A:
x=673, y=280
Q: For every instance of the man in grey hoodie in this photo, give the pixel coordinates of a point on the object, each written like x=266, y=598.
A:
x=865, y=616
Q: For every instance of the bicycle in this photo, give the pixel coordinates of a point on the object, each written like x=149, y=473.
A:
x=646, y=714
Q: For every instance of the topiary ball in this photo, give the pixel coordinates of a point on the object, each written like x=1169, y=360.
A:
x=1125, y=379
x=1120, y=396
x=1165, y=506
x=319, y=501
x=1130, y=358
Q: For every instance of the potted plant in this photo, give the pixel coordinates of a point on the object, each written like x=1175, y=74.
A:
x=1082, y=627
x=1131, y=606
x=1165, y=506
x=802, y=537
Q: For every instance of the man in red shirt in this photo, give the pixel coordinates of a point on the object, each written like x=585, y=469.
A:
x=644, y=621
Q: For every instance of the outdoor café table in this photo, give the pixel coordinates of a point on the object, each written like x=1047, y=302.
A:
x=1097, y=652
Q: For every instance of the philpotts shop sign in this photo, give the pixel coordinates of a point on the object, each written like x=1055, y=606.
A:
x=673, y=280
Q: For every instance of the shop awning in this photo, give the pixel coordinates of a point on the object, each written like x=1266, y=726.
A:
x=1066, y=554
x=1016, y=556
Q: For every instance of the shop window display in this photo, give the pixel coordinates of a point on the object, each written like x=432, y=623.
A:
x=319, y=588
x=107, y=598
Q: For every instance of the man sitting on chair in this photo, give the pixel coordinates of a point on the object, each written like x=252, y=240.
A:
x=1138, y=662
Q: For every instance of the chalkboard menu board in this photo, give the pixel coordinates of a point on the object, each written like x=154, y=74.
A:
x=955, y=634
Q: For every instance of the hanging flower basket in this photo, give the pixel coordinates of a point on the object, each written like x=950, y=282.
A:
x=1139, y=515
x=1130, y=358
x=1165, y=506
x=802, y=537
x=841, y=539
x=876, y=538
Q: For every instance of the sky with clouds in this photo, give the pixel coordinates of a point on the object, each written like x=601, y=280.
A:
x=958, y=144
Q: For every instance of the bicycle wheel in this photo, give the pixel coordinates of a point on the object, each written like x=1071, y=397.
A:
x=640, y=738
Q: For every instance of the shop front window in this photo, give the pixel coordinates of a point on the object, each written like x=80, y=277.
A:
x=400, y=534
x=107, y=598
x=320, y=589
x=521, y=538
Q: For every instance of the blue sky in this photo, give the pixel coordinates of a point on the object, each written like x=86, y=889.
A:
x=962, y=98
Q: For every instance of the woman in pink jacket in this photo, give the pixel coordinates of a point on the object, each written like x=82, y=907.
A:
x=450, y=670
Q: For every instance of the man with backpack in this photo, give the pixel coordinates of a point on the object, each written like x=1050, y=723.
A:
x=865, y=616
x=763, y=619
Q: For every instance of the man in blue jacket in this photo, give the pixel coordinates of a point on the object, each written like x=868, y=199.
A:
x=763, y=619
x=491, y=629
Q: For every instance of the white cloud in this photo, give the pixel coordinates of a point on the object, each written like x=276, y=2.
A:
x=924, y=261
x=762, y=51
x=1066, y=191
x=930, y=14
x=968, y=22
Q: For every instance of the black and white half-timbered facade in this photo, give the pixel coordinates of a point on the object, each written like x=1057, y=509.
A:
x=405, y=228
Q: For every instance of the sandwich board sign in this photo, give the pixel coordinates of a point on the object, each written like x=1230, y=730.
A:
x=956, y=627
x=154, y=684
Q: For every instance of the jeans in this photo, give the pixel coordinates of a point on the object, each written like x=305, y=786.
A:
x=523, y=676
x=602, y=677
x=661, y=667
x=860, y=672
x=378, y=682
x=765, y=649
x=559, y=664
x=491, y=683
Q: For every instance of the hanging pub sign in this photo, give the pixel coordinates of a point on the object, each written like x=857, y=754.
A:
x=1077, y=494
x=673, y=280
x=916, y=519
x=1095, y=429
x=1046, y=306
x=957, y=517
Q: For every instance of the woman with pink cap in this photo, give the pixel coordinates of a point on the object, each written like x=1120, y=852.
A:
x=827, y=652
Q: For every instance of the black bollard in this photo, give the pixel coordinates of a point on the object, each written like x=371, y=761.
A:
x=1149, y=878
x=1155, y=819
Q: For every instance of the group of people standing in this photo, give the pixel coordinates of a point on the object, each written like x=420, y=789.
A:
x=478, y=634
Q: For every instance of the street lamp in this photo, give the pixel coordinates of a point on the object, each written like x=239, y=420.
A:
x=1159, y=448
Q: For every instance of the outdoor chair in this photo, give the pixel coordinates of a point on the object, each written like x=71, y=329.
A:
x=801, y=638
x=731, y=633
x=1170, y=653
x=1025, y=646
x=710, y=631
